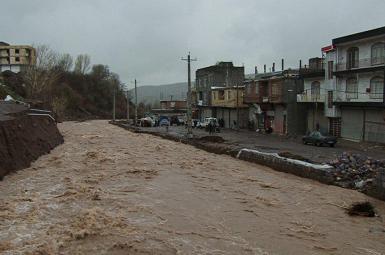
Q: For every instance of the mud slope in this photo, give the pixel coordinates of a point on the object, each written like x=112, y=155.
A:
x=24, y=139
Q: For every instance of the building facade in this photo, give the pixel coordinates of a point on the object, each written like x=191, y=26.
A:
x=355, y=82
x=273, y=104
x=227, y=105
x=314, y=95
x=222, y=74
x=171, y=108
x=15, y=57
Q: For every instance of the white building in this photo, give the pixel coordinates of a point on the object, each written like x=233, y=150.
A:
x=348, y=99
x=356, y=85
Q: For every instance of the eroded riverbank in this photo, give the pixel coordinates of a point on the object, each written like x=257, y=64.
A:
x=109, y=191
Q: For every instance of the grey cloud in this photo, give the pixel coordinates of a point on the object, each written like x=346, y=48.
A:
x=146, y=39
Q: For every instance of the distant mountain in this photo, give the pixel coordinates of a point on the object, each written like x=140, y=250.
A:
x=154, y=93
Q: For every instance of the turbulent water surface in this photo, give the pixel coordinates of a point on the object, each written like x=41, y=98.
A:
x=110, y=191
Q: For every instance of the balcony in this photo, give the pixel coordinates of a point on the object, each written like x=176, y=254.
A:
x=250, y=99
x=365, y=64
x=310, y=98
x=358, y=97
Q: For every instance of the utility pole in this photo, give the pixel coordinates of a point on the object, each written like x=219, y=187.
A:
x=189, y=113
x=128, y=107
x=136, y=105
x=113, y=104
x=237, y=106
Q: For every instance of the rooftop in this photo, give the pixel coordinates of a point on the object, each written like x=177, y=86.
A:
x=360, y=35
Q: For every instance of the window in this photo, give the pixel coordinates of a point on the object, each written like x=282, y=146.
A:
x=378, y=53
x=330, y=70
x=315, y=90
x=330, y=99
x=377, y=88
x=275, y=89
x=221, y=95
x=352, y=58
x=351, y=88
x=17, y=51
x=17, y=59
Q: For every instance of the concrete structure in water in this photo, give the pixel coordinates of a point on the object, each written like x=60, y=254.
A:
x=222, y=74
x=15, y=57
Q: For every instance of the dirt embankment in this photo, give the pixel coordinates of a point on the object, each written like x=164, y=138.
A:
x=24, y=139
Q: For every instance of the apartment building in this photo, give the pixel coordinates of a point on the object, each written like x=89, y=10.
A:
x=15, y=57
x=354, y=83
x=272, y=98
x=222, y=74
x=227, y=105
x=314, y=96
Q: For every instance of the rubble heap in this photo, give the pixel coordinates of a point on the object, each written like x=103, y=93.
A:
x=356, y=171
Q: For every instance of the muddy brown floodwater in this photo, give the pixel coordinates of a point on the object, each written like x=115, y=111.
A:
x=110, y=191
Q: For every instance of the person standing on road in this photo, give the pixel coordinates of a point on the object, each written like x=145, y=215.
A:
x=210, y=126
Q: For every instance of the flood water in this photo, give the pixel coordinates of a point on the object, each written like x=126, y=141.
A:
x=110, y=191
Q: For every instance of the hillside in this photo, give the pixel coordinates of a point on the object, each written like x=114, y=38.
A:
x=154, y=93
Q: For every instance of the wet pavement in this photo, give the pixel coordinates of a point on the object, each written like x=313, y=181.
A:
x=110, y=191
x=276, y=143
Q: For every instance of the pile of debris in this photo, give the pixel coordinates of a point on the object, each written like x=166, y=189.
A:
x=356, y=171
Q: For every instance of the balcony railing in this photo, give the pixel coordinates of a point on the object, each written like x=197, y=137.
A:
x=310, y=98
x=361, y=63
x=344, y=96
x=308, y=72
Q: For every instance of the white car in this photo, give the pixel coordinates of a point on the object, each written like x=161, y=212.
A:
x=206, y=122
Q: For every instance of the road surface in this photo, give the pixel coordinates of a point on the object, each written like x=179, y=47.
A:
x=110, y=191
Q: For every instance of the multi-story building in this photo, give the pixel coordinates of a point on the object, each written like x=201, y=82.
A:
x=15, y=57
x=354, y=84
x=223, y=74
x=314, y=95
x=227, y=105
x=171, y=108
x=272, y=99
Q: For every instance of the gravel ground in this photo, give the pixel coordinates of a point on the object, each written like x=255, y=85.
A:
x=110, y=191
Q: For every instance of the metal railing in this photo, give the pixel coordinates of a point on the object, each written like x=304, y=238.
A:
x=310, y=98
x=361, y=63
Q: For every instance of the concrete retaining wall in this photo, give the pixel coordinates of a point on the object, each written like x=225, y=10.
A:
x=321, y=173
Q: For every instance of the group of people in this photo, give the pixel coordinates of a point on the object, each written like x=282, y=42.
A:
x=212, y=127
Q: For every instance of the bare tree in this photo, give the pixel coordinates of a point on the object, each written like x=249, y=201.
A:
x=65, y=62
x=59, y=105
x=82, y=63
x=40, y=78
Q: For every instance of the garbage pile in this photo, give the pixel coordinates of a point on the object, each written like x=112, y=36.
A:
x=356, y=171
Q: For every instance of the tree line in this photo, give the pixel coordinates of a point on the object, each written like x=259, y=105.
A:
x=72, y=89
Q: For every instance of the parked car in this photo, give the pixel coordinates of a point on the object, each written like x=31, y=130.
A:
x=147, y=122
x=206, y=122
x=316, y=138
x=164, y=121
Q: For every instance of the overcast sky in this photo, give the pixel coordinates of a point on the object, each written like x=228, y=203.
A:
x=145, y=39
